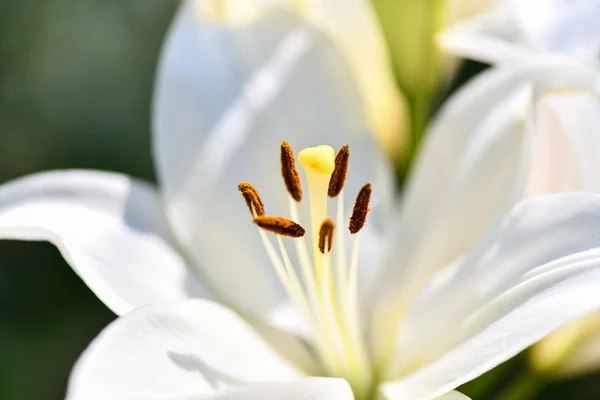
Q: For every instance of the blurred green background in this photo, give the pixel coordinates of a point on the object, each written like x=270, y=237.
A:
x=75, y=87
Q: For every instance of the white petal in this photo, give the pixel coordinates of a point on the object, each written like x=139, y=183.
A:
x=566, y=114
x=518, y=28
x=489, y=38
x=301, y=389
x=186, y=349
x=110, y=228
x=566, y=148
x=481, y=125
x=225, y=98
x=353, y=27
x=453, y=395
x=538, y=272
x=473, y=167
x=561, y=26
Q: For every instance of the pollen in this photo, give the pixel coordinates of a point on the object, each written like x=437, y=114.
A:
x=280, y=225
x=320, y=159
x=252, y=198
x=360, y=210
x=289, y=171
x=338, y=177
x=326, y=235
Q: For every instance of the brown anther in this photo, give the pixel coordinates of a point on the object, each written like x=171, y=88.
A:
x=252, y=198
x=289, y=171
x=338, y=177
x=279, y=225
x=326, y=234
x=360, y=210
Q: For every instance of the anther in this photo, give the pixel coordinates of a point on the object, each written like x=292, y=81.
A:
x=338, y=177
x=252, y=198
x=326, y=234
x=279, y=225
x=289, y=171
x=360, y=210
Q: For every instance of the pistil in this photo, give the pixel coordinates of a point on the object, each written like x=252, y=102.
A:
x=318, y=163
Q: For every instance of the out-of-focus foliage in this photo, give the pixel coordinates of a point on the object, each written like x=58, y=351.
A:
x=422, y=69
x=75, y=83
x=75, y=88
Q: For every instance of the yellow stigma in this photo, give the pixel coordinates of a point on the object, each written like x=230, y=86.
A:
x=320, y=159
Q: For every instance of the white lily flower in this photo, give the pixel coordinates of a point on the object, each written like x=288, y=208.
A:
x=527, y=41
x=516, y=29
x=552, y=44
x=460, y=288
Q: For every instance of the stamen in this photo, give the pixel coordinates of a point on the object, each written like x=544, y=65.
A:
x=338, y=177
x=360, y=210
x=279, y=225
x=252, y=198
x=323, y=289
x=326, y=235
x=289, y=171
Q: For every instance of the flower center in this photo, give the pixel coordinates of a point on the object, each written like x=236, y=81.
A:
x=324, y=286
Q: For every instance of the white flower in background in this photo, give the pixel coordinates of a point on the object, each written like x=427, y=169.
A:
x=515, y=30
x=427, y=299
x=555, y=44
x=352, y=26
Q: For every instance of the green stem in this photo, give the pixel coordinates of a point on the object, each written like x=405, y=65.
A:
x=524, y=387
x=419, y=116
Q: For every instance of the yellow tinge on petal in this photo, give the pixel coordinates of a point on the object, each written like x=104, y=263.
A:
x=353, y=27
x=572, y=350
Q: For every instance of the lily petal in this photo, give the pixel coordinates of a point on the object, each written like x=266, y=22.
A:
x=475, y=126
x=353, y=27
x=301, y=389
x=453, y=395
x=565, y=151
x=183, y=350
x=540, y=270
x=489, y=38
x=518, y=28
x=483, y=125
x=225, y=98
x=565, y=109
x=110, y=228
